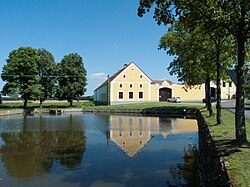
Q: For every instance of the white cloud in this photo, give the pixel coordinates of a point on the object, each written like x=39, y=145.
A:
x=101, y=76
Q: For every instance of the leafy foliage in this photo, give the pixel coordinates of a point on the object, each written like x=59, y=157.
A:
x=216, y=16
x=47, y=71
x=21, y=74
x=72, y=78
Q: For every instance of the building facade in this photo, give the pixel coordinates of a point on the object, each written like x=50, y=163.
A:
x=132, y=85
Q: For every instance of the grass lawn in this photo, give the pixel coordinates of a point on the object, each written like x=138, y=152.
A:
x=247, y=103
x=151, y=105
x=46, y=105
x=84, y=104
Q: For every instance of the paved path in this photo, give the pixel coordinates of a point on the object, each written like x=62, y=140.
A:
x=230, y=105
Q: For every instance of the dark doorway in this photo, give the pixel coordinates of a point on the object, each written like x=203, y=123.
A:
x=164, y=94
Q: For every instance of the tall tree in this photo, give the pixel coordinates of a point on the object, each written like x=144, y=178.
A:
x=47, y=70
x=192, y=63
x=72, y=78
x=233, y=15
x=21, y=74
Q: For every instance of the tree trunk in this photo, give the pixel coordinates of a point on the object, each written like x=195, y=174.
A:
x=218, y=83
x=208, y=96
x=240, y=128
x=41, y=103
x=25, y=103
x=71, y=103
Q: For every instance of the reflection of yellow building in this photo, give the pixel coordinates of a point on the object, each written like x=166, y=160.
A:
x=179, y=126
x=132, y=133
x=132, y=85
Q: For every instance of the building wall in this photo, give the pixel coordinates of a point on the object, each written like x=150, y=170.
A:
x=228, y=90
x=100, y=94
x=154, y=92
x=130, y=80
x=196, y=93
x=134, y=80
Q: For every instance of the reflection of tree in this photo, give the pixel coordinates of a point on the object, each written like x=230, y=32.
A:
x=185, y=174
x=69, y=148
x=22, y=157
x=30, y=153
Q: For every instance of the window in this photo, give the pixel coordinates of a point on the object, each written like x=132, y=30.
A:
x=120, y=95
x=120, y=85
x=124, y=76
x=224, y=84
x=140, y=95
x=141, y=76
x=230, y=84
x=140, y=85
x=130, y=95
x=130, y=85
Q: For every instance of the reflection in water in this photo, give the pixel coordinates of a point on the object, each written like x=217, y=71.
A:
x=132, y=133
x=188, y=170
x=31, y=151
x=39, y=150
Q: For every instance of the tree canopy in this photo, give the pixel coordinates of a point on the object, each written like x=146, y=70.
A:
x=33, y=74
x=47, y=71
x=21, y=74
x=72, y=78
x=232, y=15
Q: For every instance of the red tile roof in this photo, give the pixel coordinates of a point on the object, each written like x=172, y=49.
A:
x=125, y=66
x=113, y=76
x=161, y=81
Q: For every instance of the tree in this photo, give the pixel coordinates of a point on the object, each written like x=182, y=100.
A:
x=47, y=71
x=72, y=78
x=192, y=63
x=232, y=15
x=21, y=74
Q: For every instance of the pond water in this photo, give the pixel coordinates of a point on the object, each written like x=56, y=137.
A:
x=98, y=150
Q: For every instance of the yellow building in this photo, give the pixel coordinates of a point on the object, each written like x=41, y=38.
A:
x=132, y=85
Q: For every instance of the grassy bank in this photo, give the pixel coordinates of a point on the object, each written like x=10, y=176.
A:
x=237, y=159
x=89, y=104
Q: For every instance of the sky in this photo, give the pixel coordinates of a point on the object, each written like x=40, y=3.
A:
x=106, y=33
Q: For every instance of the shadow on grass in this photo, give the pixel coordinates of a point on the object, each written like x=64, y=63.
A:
x=227, y=147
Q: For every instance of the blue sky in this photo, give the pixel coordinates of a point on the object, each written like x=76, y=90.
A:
x=106, y=33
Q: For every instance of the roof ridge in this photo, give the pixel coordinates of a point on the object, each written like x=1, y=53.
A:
x=114, y=75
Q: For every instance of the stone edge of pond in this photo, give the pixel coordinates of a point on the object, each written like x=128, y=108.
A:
x=35, y=111
x=212, y=170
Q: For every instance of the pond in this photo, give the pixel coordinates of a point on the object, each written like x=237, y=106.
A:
x=98, y=150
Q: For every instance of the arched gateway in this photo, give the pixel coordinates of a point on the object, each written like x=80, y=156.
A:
x=164, y=94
